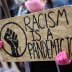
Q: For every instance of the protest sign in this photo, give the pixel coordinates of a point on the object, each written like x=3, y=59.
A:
x=38, y=36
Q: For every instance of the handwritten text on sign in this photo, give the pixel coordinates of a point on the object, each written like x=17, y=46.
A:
x=37, y=37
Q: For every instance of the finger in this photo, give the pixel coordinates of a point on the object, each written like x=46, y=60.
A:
x=13, y=35
x=60, y=60
x=1, y=44
x=10, y=31
x=7, y=33
x=65, y=61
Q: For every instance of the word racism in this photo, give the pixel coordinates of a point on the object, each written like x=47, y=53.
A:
x=39, y=48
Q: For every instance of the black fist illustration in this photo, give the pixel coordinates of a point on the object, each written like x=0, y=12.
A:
x=11, y=38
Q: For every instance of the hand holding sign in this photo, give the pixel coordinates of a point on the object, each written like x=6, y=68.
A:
x=11, y=38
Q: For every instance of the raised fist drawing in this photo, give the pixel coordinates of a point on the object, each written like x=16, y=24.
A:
x=11, y=38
